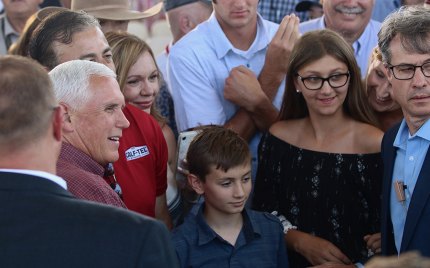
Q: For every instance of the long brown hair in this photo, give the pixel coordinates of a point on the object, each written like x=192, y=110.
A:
x=313, y=46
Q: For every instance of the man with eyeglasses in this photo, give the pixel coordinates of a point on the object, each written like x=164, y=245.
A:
x=404, y=41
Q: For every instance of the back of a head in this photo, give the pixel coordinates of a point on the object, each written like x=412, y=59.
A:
x=57, y=27
x=184, y=15
x=216, y=146
x=71, y=80
x=412, y=25
x=26, y=103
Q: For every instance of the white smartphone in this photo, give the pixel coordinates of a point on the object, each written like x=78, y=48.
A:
x=184, y=140
x=189, y=196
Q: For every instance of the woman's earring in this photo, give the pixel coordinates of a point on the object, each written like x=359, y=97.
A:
x=298, y=91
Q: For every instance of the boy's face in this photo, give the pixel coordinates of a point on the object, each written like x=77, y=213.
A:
x=226, y=192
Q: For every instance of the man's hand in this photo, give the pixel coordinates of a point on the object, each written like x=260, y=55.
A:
x=281, y=46
x=243, y=89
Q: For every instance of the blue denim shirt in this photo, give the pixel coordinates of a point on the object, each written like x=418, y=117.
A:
x=259, y=244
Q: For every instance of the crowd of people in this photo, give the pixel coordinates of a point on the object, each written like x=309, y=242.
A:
x=310, y=121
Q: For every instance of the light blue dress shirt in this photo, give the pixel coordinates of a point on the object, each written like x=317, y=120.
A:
x=383, y=8
x=362, y=46
x=198, y=65
x=411, y=151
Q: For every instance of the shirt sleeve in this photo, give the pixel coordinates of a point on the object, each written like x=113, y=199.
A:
x=197, y=101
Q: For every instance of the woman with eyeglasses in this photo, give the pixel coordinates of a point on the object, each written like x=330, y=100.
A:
x=379, y=92
x=320, y=167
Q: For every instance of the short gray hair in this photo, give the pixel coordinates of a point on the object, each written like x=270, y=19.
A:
x=71, y=80
x=412, y=25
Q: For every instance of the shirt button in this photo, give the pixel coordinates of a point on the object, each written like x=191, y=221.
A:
x=411, y=158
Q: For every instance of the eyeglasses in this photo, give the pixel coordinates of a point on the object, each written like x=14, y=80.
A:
x=316, y=82
x=407, y=71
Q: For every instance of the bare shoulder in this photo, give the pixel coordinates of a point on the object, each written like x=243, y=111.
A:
x=287, y=130
x=368, y=137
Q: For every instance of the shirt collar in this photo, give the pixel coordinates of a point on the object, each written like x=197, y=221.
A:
x=8, y=29
x=403, y=134
x=206, y=234
x=222, y=45
x=364, y=38
x=38, y=173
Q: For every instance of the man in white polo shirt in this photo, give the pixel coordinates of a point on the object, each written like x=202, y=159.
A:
x=213, y=70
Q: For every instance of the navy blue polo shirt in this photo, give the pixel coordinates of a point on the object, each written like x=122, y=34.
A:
x=259, y=244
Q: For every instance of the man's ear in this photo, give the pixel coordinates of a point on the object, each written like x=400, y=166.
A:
x=195, y=183
x=185, y=23
x=66, y=117
x=58, y=122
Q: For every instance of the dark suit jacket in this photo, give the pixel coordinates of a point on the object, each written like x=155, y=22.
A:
x=416, y=234
x=43, y=225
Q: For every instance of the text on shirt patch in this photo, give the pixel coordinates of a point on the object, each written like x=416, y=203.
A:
x=136, y=152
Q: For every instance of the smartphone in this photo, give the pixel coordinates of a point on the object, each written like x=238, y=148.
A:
x=184, y=140
x=188, y=195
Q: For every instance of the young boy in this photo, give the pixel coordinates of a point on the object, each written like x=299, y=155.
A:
x=224, y=233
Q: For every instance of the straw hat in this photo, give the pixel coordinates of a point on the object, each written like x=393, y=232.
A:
x=113, y=9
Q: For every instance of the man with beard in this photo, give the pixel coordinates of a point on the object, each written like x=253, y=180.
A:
x=350, y=19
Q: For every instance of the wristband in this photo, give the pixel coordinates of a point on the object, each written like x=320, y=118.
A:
x=286, y=224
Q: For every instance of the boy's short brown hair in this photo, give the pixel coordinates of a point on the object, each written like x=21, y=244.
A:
x=216, y=146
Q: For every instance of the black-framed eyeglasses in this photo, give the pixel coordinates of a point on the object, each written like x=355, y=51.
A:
x=407, y=71
x=316, y=82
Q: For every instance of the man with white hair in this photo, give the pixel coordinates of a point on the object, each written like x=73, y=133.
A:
x=69, y=35
x=93, y=122
x=42, y=224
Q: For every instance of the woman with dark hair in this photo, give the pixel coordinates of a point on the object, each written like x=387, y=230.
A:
x=320, y=167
